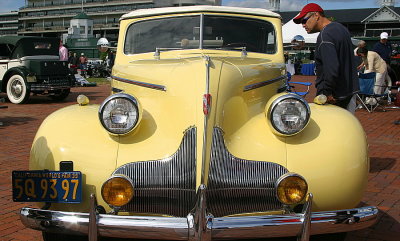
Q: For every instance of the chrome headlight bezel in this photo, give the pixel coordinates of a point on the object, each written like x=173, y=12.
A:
x=302, y=107
x=285, y=177
x=131, y=123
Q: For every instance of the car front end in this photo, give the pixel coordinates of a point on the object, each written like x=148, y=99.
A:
x=198, y=141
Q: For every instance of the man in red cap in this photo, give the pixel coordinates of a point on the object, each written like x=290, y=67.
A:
x=336, y=67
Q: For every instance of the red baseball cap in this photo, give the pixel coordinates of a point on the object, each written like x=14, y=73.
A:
x=311, y=7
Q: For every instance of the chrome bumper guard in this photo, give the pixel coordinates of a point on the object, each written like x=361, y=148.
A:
x=199, y=225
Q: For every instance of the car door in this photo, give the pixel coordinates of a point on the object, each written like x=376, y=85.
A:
x=4, y=59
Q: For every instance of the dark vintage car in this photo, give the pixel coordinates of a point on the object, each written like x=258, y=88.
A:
x=32, y=65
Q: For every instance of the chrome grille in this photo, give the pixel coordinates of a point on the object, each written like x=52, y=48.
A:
x=240, y=186
x=165, y=186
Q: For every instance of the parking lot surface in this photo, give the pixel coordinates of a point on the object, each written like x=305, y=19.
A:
x=20, y=123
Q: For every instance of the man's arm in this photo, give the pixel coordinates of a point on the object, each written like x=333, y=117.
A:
x=330, y=73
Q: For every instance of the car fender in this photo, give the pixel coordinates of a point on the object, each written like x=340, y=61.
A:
x=75, y=134
x=331, y=153
x=21, y=70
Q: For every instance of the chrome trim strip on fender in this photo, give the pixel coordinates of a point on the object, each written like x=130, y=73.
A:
x=263, y=83
x=143, y=84
x=207, y=60
x=150, y=227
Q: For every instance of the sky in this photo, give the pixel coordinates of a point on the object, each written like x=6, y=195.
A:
x=286, y=5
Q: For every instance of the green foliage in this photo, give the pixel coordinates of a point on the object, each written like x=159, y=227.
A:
x=99, y=81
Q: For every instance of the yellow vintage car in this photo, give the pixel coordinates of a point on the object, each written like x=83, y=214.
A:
x=200, y=139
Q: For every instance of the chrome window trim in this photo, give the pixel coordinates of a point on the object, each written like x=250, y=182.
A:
x=201, y=37
x=139, y=83
x=263, y=83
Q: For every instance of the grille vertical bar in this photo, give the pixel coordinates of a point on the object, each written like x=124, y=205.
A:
x=240, y=186
x=166, y=186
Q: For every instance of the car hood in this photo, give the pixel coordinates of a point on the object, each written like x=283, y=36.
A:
x=176, y=94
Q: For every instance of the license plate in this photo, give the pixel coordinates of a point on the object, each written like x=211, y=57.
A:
x=47, y=186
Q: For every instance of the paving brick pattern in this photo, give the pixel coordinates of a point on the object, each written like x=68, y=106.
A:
x=22, y=121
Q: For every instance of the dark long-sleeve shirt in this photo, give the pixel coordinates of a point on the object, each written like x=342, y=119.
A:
x=336, y=67
x=384, y=50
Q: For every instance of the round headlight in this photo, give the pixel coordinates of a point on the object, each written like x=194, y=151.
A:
x=117, y=191
x=289, y=114
x=119, y=113
x=291, y=188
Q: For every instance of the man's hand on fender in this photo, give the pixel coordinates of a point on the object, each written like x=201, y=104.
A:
x=330, y=100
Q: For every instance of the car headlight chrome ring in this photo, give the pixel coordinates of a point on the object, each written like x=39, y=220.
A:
x=291, y=188
x=119, y=114
x=117, y=191
x=289, y=114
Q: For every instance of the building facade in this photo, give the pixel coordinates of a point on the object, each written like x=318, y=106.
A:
x=51, y=18
x=9, y=23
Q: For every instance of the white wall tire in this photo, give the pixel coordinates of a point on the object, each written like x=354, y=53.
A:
x=17, y=90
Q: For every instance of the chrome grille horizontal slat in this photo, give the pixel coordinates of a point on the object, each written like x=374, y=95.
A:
x=240, y=186
x=165, y=186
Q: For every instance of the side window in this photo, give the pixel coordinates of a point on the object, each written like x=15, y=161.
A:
x=5, y=51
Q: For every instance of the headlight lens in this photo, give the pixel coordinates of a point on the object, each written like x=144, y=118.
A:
x=117, y=191
x=289, y=114
x=119, y=113
x=291, y=188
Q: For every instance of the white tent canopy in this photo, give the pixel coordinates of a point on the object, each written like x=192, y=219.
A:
x=290, y=29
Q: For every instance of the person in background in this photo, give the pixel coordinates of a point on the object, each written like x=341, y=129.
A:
x=74, y=62
x=83, y=62
x=384, y=49
x=336, y=67
x=359, y=60
x=360, y=44
x=312, y=55
x=111, y=58
x=374, y=63
x=63, y=52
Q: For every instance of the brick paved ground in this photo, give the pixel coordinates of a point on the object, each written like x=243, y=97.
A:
x=22, y=121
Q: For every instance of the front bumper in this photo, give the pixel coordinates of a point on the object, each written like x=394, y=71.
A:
x=199, y=225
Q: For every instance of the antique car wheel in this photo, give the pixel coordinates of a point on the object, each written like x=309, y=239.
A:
x=61, y=94
x=62, y=237
x=17, y=91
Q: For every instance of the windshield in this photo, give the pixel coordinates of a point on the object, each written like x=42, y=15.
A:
x=216, y=32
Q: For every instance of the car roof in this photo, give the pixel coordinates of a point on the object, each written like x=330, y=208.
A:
x=10, y=39
x=199, y=8
x=15, y=39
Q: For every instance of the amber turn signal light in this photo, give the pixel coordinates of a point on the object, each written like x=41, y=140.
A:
x=291, y=188
x=117, y=191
